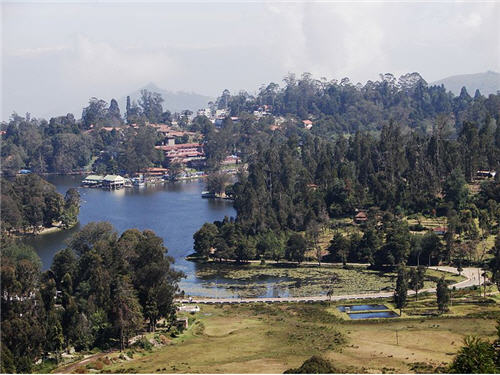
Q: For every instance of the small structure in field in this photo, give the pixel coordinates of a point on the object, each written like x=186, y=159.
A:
x=190, y=309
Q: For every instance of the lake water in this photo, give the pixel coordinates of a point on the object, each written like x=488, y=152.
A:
x=174, y=211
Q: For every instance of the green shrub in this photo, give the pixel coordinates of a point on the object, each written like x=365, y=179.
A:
x=314, y=365
x=477, y=356
x=143, y=343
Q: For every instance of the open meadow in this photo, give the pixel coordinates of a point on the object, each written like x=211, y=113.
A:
x=270, y=338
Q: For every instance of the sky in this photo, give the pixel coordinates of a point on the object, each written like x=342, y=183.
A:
x=57, y=55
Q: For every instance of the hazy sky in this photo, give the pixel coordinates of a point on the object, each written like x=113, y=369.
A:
x=55, y=56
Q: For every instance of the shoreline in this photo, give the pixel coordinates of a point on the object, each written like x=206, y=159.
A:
x=43, y=232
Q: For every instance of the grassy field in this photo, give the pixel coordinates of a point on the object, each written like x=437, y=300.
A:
x=253, y=279
x=264, y=338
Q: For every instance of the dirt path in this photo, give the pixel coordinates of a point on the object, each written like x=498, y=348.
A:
x=67, y=369
x=471, y=274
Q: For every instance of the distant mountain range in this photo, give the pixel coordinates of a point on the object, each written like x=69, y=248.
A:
x=174, y=101
x=487, y=83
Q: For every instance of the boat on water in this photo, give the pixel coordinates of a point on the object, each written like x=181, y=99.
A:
x=207, y=194
x=139, y=182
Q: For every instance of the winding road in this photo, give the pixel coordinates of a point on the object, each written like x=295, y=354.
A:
x=471, y=274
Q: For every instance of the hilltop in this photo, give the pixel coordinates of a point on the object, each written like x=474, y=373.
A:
x=487, y=83
x=174, y=101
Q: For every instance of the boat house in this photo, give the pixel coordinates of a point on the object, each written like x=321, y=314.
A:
x=112, y=181
x=92, y=180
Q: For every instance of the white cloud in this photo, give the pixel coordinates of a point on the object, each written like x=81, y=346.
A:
x=101, y=64
x=55, y=56
x=473, y=20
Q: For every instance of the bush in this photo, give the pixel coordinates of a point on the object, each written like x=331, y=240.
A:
x=143, y=343
x=314, y=365
x=198, y=328
x=174, y=332
x=163, y=339
x=417, y=227
x=475, y=357
x=106, y=361
x=97, y=365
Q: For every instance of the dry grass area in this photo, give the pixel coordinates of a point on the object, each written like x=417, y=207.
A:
x=396, y=346
x=264, y=338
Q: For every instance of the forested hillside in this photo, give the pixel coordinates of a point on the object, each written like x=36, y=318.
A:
x=100, y=291
x=29, y=204
x=342, y=107
x=390, y=149
x=64, y=144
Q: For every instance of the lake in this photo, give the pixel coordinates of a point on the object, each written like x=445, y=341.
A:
x=174, y=211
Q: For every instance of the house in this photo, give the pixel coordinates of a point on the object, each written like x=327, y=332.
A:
x=221, y=113
x=190, y=309
x=207, y=112
x=169, y=141
x=482, y=175
x=218, y=122
x=183, y=153
x=312, y=187
x=307, y=124
x=112, y=181
x=440, y=230
x=231, y=159
x=92, y=180
x=360, y=217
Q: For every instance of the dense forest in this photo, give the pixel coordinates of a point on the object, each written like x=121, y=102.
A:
x=392, y=149
x=342, y=107
x=64, y=144
x=29, y=204
x=99, y=292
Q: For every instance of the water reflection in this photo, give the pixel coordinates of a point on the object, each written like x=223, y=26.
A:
x=175, y=211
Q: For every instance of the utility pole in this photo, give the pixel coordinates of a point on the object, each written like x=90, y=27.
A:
x=479, y=281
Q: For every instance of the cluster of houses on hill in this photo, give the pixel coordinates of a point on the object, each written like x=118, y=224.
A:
x=179, y=146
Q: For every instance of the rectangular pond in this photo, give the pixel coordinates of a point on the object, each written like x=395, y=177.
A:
x=373, y=315
x=362, y=308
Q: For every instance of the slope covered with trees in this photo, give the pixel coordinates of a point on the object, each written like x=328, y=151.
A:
x=110, y=287
x=427, y=146
x=29, y=204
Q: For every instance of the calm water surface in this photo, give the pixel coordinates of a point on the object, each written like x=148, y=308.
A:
x=374, y=315
x=362, y=307
x=174, y=211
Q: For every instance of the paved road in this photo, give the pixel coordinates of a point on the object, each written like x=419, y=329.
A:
x=471, y=274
